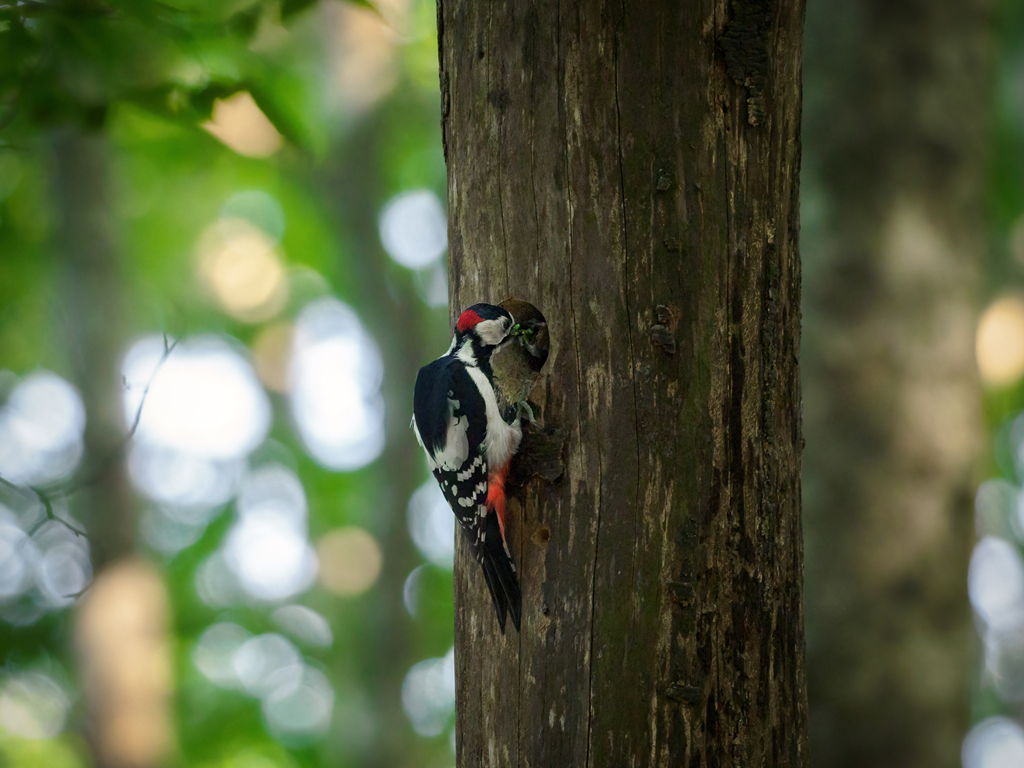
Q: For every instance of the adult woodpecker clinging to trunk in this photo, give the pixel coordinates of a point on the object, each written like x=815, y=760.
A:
x=469, y=445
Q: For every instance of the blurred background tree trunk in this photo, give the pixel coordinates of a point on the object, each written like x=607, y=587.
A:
x=93, y=321
x=894, y=237
x=632, y=170
x=123, y=622
x=397, y=322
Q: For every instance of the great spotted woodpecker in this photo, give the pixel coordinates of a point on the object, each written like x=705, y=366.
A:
x=469, y=445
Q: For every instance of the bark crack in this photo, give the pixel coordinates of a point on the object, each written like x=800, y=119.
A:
x=501, y=214
x=600, y=468
x=498, y=105
x=626, y=287
x=572, y=289
x=580, y=394
x=533, y=189
x=519, y=706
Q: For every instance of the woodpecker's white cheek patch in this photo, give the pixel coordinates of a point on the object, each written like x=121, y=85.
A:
x=491, y=332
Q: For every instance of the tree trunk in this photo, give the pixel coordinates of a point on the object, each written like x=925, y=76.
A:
x=632, y=170
x=93, y=319
x=122, y=624
x=896, y=129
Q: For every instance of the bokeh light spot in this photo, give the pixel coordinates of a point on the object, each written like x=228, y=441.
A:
x=204, y=401
x=240, y=124
x=303, y=710
x=173, y=477
x=994, y=506
x=33, y=706
x=274, y=486
x=995, y=742
x=305, y=624
x=1004, y=661
x=995, y=583
x=41, y=428
x=271, y=558
x=413, y=228
x=123, y=640
x=412, y=589
x=999, y=343
x=335, y=377
x=64, y=568
x=238, y=264
x=216, y=583
x=350, y=560
x=271, y=352
x=432, y=285
x=267, y=548
x=18, y=558
x=268, y=664
x=214, y=653
x=172, y=529
x=432, y=524
x=363, y=58
x=428, y=694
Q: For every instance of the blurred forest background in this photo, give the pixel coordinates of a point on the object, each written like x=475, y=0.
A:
x=223, y=236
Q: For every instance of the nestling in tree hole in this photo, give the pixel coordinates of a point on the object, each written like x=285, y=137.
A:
x=517, y=363
x=517, y=367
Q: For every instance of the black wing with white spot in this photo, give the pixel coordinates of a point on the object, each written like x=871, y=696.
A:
x=450, y=418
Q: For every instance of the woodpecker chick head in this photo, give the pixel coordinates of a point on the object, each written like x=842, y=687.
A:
x=518, y=362
x=531, y=330
x=486, y=325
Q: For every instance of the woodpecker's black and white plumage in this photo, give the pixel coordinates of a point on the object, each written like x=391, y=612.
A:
x=469, y=445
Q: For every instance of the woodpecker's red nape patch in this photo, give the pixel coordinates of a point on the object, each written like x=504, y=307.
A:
x=467, y=320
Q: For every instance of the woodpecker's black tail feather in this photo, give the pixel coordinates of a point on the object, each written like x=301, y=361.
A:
x=503, y=585
x=499, y=571
x=497, y=594
x=504, y=588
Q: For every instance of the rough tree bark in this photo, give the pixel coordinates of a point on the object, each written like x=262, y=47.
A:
x=896, y=129
x=632, y=170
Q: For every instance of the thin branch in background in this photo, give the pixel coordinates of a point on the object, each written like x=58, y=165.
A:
x=47, y=502
x=51, y=515
x=79, y=593
x=47, y=493
x=86, y=479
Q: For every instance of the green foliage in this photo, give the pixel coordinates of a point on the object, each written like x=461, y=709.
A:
x=64, y=752
x=70, y=62
x=145, y=76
